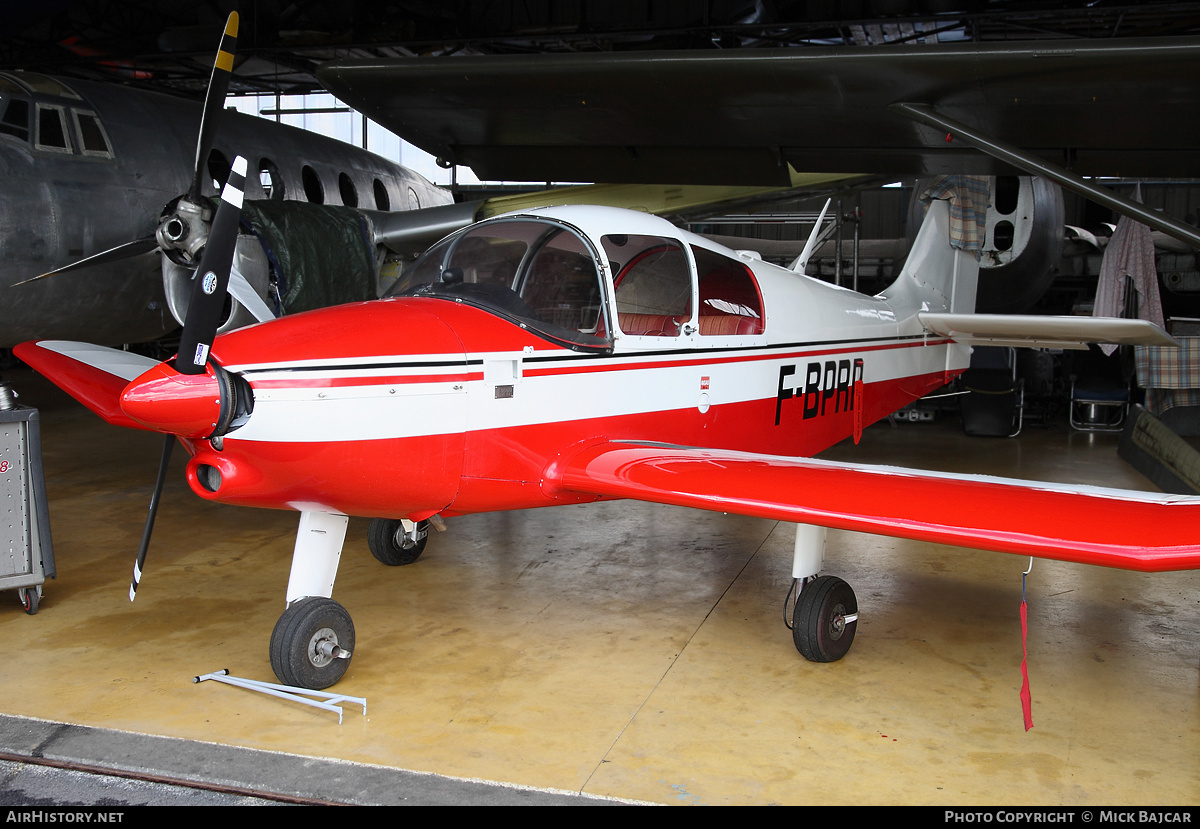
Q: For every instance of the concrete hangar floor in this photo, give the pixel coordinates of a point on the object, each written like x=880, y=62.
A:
x=620, y=650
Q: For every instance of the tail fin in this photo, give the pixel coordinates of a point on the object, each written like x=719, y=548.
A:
x=937, y=285
x=936, y=276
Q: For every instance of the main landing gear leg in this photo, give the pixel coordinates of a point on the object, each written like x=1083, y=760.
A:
x=314, y=638
x=826, y=612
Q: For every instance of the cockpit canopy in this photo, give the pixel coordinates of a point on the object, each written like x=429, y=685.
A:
x=50, y=116
x=539, y=272
x=545, y=275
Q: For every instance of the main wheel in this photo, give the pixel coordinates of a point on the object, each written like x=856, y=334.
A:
x=825, y=619
x=392, y=544
x=312, y=643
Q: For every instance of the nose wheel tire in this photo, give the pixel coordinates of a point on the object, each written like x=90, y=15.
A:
x=392, y=544
x=824, y=620
x=312, y=643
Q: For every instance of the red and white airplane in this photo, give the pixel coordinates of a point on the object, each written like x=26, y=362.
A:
x=572, y=354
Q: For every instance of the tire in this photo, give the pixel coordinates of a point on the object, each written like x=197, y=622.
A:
x=30, y=598
x=303, y=638
x=819, y=628
x=391, y=545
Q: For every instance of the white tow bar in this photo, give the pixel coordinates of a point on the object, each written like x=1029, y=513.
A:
x=324, y=699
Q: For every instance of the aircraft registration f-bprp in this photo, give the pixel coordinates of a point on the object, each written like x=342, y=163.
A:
x=566, y=355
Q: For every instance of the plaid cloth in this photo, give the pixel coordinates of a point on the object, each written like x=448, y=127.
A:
x=1128, y=264
x=1171, y=376
x=968, y=197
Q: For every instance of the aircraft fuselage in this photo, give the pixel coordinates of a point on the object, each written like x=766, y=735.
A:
x=454, y=400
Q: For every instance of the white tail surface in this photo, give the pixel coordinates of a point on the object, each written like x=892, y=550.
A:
x=936, y=276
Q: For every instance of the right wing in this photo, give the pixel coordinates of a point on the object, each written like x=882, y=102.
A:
x=1114, y=528
x=92, y=374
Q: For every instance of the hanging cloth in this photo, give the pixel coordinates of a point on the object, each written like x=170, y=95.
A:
x=1129, y=261
x=968, y=197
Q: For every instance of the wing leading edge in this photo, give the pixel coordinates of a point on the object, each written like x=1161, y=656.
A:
x=92, y=374
x=1128, y=530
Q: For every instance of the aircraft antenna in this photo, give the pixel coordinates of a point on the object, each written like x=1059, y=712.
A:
x=801, y=262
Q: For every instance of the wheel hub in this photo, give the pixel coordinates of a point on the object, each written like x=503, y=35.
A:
x=408, y=535
x=839, y=620
x=837, y=624
x=323, y=648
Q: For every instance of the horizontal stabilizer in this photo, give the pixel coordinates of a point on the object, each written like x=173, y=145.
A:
x=92, y=374
x=1043, y=332
x=1113, y=528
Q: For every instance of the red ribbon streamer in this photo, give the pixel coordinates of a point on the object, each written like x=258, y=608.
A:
x=1026, y=699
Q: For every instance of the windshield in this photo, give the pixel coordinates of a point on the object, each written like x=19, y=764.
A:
x=539, y=272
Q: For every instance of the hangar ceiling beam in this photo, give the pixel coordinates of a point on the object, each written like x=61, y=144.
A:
x=1036, y=166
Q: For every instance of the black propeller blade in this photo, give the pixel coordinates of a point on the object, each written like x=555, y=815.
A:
x=214, y=102
x=212, y=277
x=200, y=328
x=168, y=444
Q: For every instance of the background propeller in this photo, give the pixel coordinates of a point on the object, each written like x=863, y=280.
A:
x=214, y=103
x=210, y=287
x=200, y=327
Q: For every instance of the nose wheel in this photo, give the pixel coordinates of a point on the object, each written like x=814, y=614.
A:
x=312, y=643
x=395, y=541
x=824, y=619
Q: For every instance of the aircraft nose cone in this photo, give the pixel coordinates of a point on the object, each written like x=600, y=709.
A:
x=188, y=405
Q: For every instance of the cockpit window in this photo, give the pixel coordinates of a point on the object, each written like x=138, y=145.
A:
x=51, y=129
x=9, y=86
x=15, y=120
x=92, y=137
x=44, y=85
x=541, y=273
x=653, y=282
x=730, y=304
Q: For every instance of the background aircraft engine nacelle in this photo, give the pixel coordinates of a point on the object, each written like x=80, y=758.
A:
x=1023, y=246
x=248, y=258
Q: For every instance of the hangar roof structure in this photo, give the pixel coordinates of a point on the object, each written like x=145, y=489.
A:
x=168, y=45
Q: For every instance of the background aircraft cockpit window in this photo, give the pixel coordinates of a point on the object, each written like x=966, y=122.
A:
x=730, y=303
x=538, y=271
x=44, y=85
x=92, y=137
x=653, y=283
x=51, y=129
x=15, y=120
x=9, y=86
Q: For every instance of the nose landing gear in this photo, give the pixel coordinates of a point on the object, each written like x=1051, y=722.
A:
x=312, y=643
